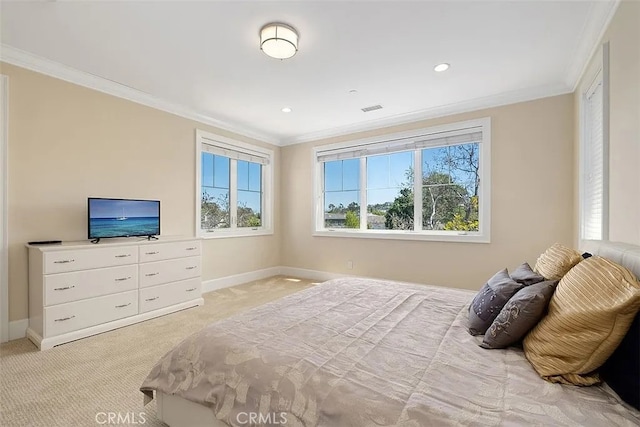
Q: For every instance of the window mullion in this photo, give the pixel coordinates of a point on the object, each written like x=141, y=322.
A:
x=320, y=199
x=263, y=204
x=417, y=190
x=233, y=193
x=363, y=193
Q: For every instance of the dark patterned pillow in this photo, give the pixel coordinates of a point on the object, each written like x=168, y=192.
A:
x=487, y=304
x=622, y=370
x=524, y=274
x=519, y=315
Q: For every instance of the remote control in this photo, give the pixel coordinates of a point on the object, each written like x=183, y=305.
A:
x=45, y=242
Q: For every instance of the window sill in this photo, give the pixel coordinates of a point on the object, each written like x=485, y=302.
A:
x=224, y=234
x=442, y=236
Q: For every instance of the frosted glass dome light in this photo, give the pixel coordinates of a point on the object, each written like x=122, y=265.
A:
x=279, y=41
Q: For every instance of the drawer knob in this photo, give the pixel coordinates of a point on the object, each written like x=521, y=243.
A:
x=191, y=290
x=123, y=305
x=193, y=248
x=64, y=318
x=123, y=256
x=151, y=299
x=121, y=279
x=191, y=268
x=151, y=274
x=65, y=288
x=64, y=261
x=152, y=253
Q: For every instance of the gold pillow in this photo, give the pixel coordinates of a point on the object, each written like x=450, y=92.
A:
x=556, y=261
x=589, y=315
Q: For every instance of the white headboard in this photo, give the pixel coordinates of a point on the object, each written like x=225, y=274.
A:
x=625, y=254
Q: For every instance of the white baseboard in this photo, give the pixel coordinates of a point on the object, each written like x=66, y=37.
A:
x=238, y=279
x=303, y=273
x=18, y=329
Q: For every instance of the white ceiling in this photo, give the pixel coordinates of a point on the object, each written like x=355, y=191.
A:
x=204, y=58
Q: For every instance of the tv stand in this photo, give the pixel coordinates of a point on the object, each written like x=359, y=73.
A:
x=150, y=237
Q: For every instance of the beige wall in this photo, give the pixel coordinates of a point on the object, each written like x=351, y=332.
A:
x=531, y=207
x=67, y=142
x=623, y=35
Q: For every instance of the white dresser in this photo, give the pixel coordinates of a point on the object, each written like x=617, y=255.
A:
x=78, y=289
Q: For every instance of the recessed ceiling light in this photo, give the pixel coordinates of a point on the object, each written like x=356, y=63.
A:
x=286, y=110
x=441, y=67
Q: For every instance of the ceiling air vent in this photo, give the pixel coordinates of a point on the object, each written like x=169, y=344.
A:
x=372, y=108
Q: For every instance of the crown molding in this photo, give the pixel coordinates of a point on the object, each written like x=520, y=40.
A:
x=51, y=68
x=506, y=98
x=598, y=19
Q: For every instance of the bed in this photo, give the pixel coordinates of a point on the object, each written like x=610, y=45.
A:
x=362, y=352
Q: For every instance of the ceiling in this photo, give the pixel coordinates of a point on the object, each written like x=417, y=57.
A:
x=202, y=59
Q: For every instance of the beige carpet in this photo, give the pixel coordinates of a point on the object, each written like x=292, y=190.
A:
x=71, y=384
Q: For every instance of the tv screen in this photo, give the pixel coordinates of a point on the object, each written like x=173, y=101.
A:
x=123, y=218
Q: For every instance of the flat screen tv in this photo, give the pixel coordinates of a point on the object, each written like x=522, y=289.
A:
x=122, y=218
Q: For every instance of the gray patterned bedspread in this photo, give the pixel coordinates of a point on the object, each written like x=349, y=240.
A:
x=361, y=352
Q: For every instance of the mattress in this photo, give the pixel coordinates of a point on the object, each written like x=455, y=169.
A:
x=361, y=352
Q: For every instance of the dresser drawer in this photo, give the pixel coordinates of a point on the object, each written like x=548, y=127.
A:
x=63, y=318
x=74, y=260
x=161, y=296
x=66, y=287
x=157, y=273
x=162, y=251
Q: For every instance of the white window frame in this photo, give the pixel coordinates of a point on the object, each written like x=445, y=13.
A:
x=483, y=235
x=4, y=209
x=267, y=208
x=598, y=73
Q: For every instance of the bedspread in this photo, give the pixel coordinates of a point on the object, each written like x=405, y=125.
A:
x=362, y=352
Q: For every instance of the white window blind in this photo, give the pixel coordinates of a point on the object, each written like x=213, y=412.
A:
x=237, y=154
x=593, y=176
x=440, y=139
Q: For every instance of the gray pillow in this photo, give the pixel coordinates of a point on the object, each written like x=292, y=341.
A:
x=487, y=304
x=524, y=274
x=519, y=315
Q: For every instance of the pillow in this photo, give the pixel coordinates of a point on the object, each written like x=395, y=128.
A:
x=556, y=261
x=525, y=275
x=489, y=301
x=621, y=371
x=519, y=315
x=589, y=314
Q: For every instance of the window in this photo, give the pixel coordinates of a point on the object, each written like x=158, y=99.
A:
x=233, y=184
x=369, y=188
x=594, y=152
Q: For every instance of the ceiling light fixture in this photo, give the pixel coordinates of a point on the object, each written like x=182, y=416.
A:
x=441, y=67
x=286, y=110
x=278, y=40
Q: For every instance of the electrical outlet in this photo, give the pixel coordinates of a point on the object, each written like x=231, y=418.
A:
x=350, y=265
